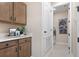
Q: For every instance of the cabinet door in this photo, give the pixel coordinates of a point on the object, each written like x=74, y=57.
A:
x=28, y=48
x=24, y=50
x=4, y=11
x=12, y=51
x=9, y=52
x=20, y=13
x=3, y=52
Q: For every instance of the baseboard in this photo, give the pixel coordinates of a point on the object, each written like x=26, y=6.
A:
x=48, y=53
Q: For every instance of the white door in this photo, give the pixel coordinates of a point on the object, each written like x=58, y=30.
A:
x=47, y=28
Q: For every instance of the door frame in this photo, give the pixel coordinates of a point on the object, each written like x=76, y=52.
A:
x=69, y=18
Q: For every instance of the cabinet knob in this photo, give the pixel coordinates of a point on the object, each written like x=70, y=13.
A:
x=7, y=44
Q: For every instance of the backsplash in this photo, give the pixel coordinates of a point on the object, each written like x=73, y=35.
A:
x=3, y=34
x=4, y=27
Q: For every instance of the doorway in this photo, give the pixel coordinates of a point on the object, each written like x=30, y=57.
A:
x=60, y=18
x=60, y=30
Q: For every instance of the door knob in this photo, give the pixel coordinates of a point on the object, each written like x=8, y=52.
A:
x=68, y=34
x=78, y=39
x=45, y=31
x=77, y=8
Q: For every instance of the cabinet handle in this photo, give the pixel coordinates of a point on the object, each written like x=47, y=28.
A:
x=16, y=49
x=14, y=18
x=19, y=47
x=11, y=18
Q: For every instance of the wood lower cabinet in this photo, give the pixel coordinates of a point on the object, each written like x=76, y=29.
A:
x=3, y=52
x=28, y=44
x=25, y=47
x=8, y=48
x=9, y=52
x=12, y=51
x=23, y=50
x=13, y=12
x=20, y=47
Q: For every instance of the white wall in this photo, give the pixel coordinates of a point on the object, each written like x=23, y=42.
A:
x=34, y=15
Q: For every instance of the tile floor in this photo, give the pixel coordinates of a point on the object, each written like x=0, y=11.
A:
x=60, y=50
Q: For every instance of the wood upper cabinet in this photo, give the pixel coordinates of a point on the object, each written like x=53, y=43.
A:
x=5, y=11
x=13, y=12
x=19, y=12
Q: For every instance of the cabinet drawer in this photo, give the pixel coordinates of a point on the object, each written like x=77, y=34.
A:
x=8, y=44
x=25, y=40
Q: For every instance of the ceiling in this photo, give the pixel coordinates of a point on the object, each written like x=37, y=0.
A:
x=53, y=3
x=61, y=8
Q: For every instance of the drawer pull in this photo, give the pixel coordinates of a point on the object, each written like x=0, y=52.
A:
x=7, y=44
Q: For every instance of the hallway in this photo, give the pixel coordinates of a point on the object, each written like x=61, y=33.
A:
x=60, y=50
x=60, y=18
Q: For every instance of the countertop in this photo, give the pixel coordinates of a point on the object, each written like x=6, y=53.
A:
x=8, y=38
